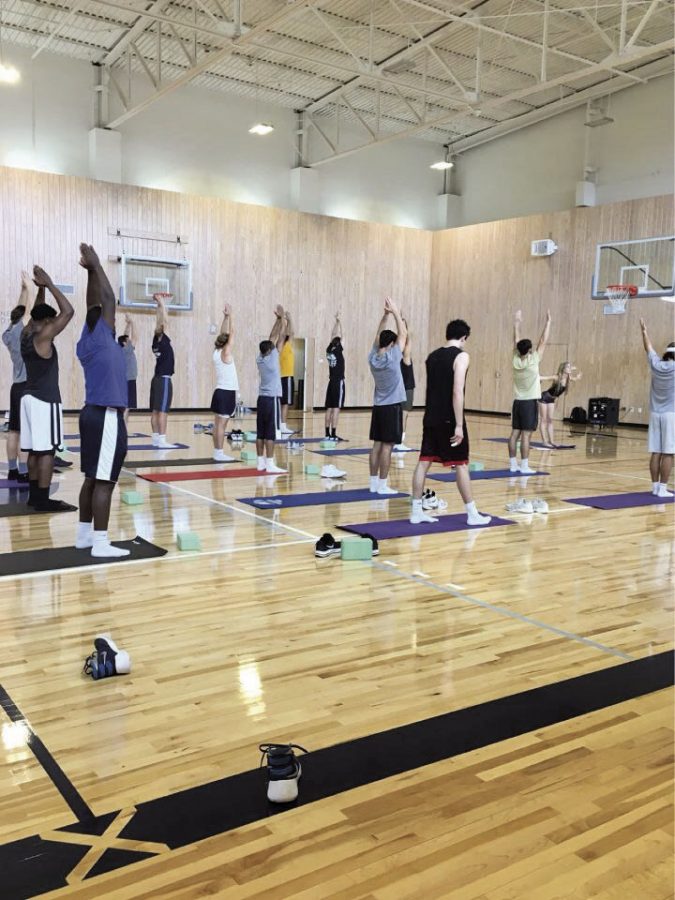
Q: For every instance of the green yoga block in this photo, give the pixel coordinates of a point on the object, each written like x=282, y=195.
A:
x=312, y=469
x=356, y=548
x=249, y=454
x=250, y=436
x=327, y=445
x=476, y=466
x=188, y=540
x=132, y=498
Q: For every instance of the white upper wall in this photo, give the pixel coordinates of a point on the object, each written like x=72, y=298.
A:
x=196, y=141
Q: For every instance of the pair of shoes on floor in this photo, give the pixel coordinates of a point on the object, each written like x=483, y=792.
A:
x=270, y=469
x=431, y=501
x=19, y=477
x=400, y=448
x=283, y=771
x=660, y=491
x=236, y=435
x=332, y=437
x=331, y=471
x=327, y=546
x=107, y=659
x=528, y=506
x=60, y=463
x=163, y=445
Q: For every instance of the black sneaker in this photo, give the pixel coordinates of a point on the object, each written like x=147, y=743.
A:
x=12, y=474
x=22, y=478
x=376, y=546
x=60, y=463
x=283, y=771
x=327, y=546
x=107, y=659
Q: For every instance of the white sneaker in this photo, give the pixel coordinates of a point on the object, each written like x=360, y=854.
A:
x=400, y=448
x=520, y=506
x=220, y=456
x=527, y=471
x=664, y=492
x=164, y=445
x=420, y=518
x=478, y=519
x=275, y=470
x=385, y=489
x=287, y=430
x=539, y=506
x=332, y=471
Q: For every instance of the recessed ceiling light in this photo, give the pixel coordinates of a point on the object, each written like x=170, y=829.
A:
x=9, y=74
x=441, y=165
x=261, y=128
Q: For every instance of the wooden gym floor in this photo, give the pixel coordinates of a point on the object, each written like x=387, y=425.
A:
x=252, y=639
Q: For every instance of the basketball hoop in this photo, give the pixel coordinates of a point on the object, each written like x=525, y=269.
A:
x=619, y=295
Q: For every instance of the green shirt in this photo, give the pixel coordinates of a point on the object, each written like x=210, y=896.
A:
x=526, y=385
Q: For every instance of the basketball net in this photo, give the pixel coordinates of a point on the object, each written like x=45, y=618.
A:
x=619, y=295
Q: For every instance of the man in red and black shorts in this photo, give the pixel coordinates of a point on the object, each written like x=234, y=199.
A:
x=444, y=436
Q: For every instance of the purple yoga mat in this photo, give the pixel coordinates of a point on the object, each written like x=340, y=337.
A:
x=485, y=474
x=303, y=440
x=76, y=449
x=318, y=498
x=398, y=528
x=621, y=501
x=13, y=485
x=76, y=437
x=536, y=445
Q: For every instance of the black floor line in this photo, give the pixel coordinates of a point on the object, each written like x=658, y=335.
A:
x=33, y=865
x=53, y=770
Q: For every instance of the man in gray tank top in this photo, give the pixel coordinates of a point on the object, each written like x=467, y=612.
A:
x=661, y=436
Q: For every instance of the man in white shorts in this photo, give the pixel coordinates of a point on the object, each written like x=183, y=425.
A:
x=661, y=436
x=41, y=415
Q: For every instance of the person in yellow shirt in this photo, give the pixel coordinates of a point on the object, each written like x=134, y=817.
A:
x=526, y=393
x=287, y=368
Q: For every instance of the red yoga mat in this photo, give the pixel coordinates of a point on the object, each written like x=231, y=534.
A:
x=203, y=476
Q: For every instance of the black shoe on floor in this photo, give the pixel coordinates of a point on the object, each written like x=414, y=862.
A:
x=327, y=546
x=60, y=463
x=376, y=546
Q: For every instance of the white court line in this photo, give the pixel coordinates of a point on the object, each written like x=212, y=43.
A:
x=134, y=562
x=243, y=512
x=511, y=614
x=618, y=475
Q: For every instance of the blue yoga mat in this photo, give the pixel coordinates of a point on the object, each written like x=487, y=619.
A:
x=399, y=528
x=621, y=501
x=536, y=445
x=284, y=501
x=357, y=451
x=485, y=475
x=76, y=448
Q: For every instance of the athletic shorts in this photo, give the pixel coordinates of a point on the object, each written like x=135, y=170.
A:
x=661, y=434
x=386, y=424
x=103, y=442
x=41, y=425
x=132, y=399
x=409, y=397
x=223, y=403
x=436, y=446
x=525, y=415
x=15, y=395
x=335, y=394
x=287, y=390
x=161, y=393
x=268, y=419
x=547, y=398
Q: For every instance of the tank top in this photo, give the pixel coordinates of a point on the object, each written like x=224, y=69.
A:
x=226, y=373
x=42, y=375
x=287, y=360
x=557, y=389
x=440, y=382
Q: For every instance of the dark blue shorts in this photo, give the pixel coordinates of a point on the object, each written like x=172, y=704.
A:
x=268, y=420
x=103, y=442
x=161, y=394
x=223, y=403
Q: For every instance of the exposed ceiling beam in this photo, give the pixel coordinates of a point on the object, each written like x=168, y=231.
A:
x=134, y=32
x=494, y=104
x=211, y=59
x=641, y=24
x=57, y=31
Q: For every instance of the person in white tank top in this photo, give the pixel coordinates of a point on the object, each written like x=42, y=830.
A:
x=224, y=398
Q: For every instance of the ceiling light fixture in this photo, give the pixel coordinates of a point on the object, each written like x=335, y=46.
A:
x=261, y=128
x=442, y=165
x=9, y=74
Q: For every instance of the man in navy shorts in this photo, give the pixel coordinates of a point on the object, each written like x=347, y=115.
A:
x=268, y=404
x=103, y=431
x=444, y=436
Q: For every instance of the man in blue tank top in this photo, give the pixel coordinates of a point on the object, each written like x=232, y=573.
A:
x=103, y=431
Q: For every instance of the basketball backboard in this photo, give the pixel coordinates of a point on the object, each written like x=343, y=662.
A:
x=648, y=264
x=143, y=276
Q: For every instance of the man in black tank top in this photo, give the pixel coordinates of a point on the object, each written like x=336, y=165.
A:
x=444, y=436
x=41, y=414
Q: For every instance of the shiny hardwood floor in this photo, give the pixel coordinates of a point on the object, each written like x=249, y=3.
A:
x=253, y=639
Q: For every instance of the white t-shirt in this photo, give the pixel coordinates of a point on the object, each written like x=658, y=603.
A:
x=226, y=373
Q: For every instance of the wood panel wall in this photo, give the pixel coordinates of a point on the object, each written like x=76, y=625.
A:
x=483, y=273
x=254, y=257
x=250, y=256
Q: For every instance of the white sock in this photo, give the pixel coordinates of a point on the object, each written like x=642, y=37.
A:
x=155, y=437
x=417, y=506
x=471, y=508
x=261, y=462
x=85, y=535
x=403, y=438
x=655, y=487
x=374, y=484
x=268, y=462
x=283, y=426
x=381, y=483
x=524, y=463
x=102, y=547
x=473, y=517
x=161, y=438
x=513, y=463
x=663, y=490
